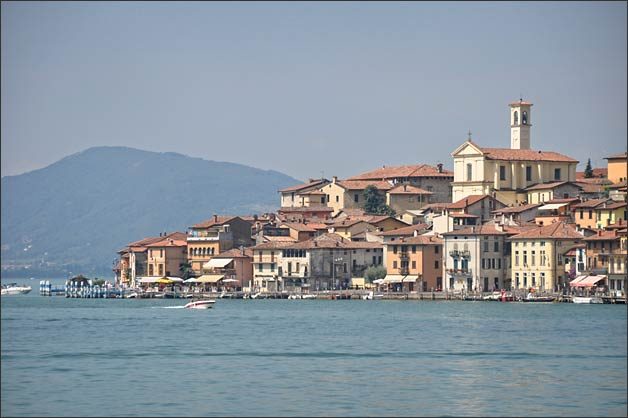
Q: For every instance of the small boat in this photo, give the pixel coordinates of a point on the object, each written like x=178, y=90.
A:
x=586, y=300
x=308, y=296
x=200, y=304
x=539, y=299
x=15, y=289
x=293, y=296
x=495, y=296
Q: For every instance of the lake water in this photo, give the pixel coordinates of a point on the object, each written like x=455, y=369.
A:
x=95, y=357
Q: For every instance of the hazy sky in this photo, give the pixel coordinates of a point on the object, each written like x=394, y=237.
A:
x=307, y=87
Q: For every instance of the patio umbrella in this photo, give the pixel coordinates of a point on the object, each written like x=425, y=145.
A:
x=164, y=280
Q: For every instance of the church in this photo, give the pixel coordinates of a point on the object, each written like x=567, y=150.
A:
x=505, y=173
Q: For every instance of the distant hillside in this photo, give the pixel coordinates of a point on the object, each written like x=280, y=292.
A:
x=73, y=215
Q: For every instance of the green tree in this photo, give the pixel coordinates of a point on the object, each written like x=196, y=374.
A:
x=374, y=202
x=374, y=273
x=186, y=270
x=588, y=171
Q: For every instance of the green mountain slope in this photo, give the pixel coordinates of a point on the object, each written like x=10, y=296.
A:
x=73, y=215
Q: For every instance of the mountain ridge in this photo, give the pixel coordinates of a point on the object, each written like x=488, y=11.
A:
x=77, y=212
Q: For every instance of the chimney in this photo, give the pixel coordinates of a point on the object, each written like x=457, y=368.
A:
x=215, y=218
x=440, y=167
x=311, y=180
x=405, y=188
x=415, y=233
x=171, y=241
x=334, y=179
x=599, y=232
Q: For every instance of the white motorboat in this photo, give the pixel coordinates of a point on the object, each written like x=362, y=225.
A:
x=15, y=289
x=200, y=304
x=587, y=299
x=308, y=296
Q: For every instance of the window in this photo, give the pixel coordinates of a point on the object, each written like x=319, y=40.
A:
x=436, y=249
x=515, y=118
x=414, y=249
x=161, y=269
x=414, y=264
x=496, y=246
x=374, y=259
x=261, y=267
x=435, y=264
x=150, y=269
x=394, y=264
x=532, y=258
x=516, y=279
x=161, y=252
x=394, y=249
x=516, y=258
x=344, y=267
x=356, y=197
x=525, y=258
x=272, y=266
x=524, y=117
x=525, y=279
x=499, y=263
x=272, y=256
x=469, y=172
x=590, y=214
x=483, y=265
x=542, y=280
x=337, y=199
x=528, y=173
x=533, y=279
x=557, y=174
x=485, y=246
x=502, y=172
x=379, y=259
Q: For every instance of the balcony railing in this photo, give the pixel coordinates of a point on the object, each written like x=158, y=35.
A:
x=460, y=253
x=460, y=272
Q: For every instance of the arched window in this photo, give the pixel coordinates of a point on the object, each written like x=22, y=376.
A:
x=524, y=117
x=516, y=118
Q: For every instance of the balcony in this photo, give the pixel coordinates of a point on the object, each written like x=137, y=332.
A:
x=460, y=253
x=460, y=272
x=404, y=257
x=404, y=270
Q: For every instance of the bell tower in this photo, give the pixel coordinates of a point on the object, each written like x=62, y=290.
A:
x=520, y=124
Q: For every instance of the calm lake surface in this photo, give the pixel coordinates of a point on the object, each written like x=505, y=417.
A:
x=95, y=357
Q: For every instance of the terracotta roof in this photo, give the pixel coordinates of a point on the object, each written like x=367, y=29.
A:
x=467, y=201
x=551, y=185
x=302, y=186
x=347, y=222
x=406, y=230
x=603, y=235
x=564, y=200
x=269, y=238
x=312, y=192
x=524, y=155
x=420, y=240
x=556, y=230
x=590, y=187
x=306, y=209
x=591, y=203
x=517, y=209
x=486, y=229
x=235, y=253
x=615, y=205
x=169, y=242
x=519, y=103
x=362, y=184
x=408, y=189
x=597, y=174
x=328, y=240
x=305, y=227
x=418, y=170
x=439, y=205
x=463, y=215
x=215, y=221
x=351, y=212
x=621, y=155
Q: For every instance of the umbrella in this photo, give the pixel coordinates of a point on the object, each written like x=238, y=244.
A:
x=378, y=281
x=164, y=280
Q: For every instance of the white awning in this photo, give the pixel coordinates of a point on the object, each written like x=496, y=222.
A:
x=394, y=278
x=410, y=279
x=552, y=206
x=217, y=263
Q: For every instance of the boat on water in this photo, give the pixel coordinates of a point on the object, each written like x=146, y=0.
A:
x=586, y=299
x=371, y=296
x=200, y=304
x=532, y=298
x=308, y=296
x=15, y=289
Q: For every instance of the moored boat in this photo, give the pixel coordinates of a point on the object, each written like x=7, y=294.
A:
x=200, y=304
x=586, y=299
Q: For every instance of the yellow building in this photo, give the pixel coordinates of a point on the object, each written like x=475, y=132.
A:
x=599, y=213
x=508, y=171
x=349, y=194
x=165, y=257
x=618, y=167
x=414, y=263
x=298, y=196
x=537, y=256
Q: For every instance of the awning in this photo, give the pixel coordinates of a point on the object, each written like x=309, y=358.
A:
x=209, y=278
x=586, y=281
x=190, y=280
x=552, y=206
x=160, y=279
x=217, y=263
x=394, y=278
x=410, y=279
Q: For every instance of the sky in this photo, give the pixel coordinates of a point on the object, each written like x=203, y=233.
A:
x=309, y=89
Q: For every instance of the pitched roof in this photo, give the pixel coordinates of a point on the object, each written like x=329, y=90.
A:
x=517, y=209
x=215, y=221
x=524, y=155
x=556, y=230
x=597, y=174
x=305, y=227
x=466, y=201
x=417, y=170
x=320, y=208
x=420, y=240
x=405, y=230
x=170, y=242
x=363, y=184
x=298, y=187
x=590, y=204
x=551, y=185
x=328, y=240
x=407, y=189
x=236, y=253
x=603, y=235
x=621, y=155
x=485, y=229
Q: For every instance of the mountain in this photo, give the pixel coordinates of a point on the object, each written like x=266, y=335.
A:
x=72, y=216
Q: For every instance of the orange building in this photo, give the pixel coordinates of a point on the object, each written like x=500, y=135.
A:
x=618, y=167
x=414, y=263
x=166, y=257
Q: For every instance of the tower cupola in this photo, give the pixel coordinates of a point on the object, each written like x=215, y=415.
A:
x=520, y=124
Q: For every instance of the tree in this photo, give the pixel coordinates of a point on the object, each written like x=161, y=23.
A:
x=374, y=273
x=186, y=270
x=588, y=171
x=374, y=202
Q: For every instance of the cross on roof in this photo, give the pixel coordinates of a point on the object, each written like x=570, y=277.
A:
x=469, y=133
